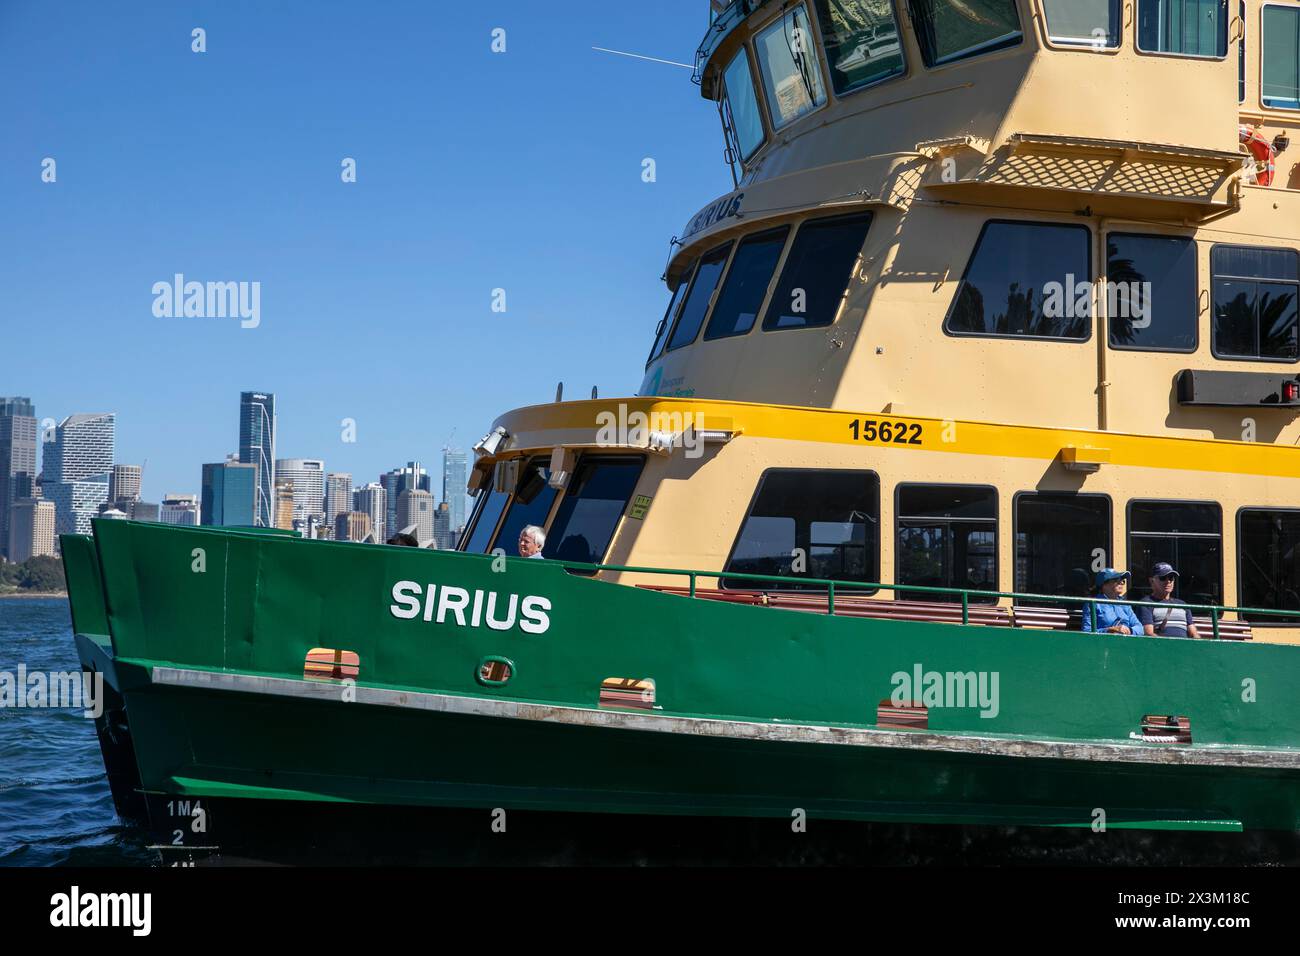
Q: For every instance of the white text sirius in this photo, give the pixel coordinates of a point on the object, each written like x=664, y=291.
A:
x=443, y=602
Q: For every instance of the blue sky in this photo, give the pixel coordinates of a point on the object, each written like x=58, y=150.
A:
x=475, y=171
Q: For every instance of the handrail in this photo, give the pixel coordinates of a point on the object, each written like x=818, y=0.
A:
x=1215, y=611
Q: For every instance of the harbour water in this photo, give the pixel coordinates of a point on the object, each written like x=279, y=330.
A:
x=56, y=809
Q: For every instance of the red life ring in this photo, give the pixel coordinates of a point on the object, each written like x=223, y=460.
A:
x=1261, y=150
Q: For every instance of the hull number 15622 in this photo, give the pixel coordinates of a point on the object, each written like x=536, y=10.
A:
x=890, y=433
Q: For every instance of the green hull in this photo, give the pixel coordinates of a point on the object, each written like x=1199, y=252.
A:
x=759, y=711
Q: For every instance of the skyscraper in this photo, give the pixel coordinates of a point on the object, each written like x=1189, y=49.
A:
x=76, y=469
x=338, y=496
x=443, y=535
x=257, y=447
x=283, y=504
x=124, y=483
x=308, y=478
x=411, y=478
x=31, y=529
x=179, y=509
x=373, y=500
x=416, y=508
x=17, y=458
x=453, y=486
x=352, y=526
x=229, y=493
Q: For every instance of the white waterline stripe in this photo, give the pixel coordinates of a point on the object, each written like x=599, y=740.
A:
x=1220, y=756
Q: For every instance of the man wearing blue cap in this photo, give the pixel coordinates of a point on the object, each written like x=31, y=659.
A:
x=1175, y=620
x=1113, y=615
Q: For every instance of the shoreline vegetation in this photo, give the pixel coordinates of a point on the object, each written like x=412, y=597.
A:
x=41, y=576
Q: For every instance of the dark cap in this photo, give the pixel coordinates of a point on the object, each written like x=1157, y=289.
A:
x=1163, y=568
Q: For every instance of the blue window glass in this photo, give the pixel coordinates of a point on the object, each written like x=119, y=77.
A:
x=1186, y=27
x=949, y=30
x=1255, y=303
x=862, y=42
x=742, y=105
x=746, y=286
x=697, y=301
x=1280, y=51
x=1151, y=292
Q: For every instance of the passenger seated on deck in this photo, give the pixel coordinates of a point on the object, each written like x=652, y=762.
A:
x=531, y=541
x=1172, y=621
x=1113, y=615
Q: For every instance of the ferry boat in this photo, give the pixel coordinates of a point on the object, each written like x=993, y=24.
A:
x=1004, y=296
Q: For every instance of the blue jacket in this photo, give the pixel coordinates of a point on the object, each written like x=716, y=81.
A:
x=1110, y=613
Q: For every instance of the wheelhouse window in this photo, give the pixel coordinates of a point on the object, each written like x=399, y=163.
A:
x=491, y=504
x=1241, y=57
x=593, y=503
x=810, y=524
x=1059, y=539
x=950, y=30
x=741, y=106
x=787, y=62
x=816, y=274
x=531, y=504
x=1087, y=23
x=947, y=538
x=1022, y=281
x=1255, y=303
x=1186, y=534
x=696, y=306
x=862, y=42
x=1280, y=56
x=1151, y=292
x=1268, y=559
x=747, y=282
x=1183, y=27
x=666, y=323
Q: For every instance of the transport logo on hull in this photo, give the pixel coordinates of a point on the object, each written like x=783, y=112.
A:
x=447, y=603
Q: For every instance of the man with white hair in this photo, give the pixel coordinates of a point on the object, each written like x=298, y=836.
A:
x=531, y=541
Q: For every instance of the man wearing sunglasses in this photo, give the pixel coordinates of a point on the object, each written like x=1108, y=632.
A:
x=1173, y=620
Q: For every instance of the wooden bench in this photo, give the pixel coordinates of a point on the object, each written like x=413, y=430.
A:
x=1061, y=619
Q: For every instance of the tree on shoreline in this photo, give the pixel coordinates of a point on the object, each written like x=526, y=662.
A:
x=39, y=574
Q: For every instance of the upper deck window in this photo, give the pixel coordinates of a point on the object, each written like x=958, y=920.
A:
x=591, y=509
x=698, y=298
x=816, y=273
x=1255, y=294
x=862, y=42
x=1090, y=23
x=742, y=105
x=1022, y=281
x=743, y=293
x=1280, y=52
x=1184, y=27
x=787, y=61
x=1152, y=292
x=951, y=30
x=666, y=323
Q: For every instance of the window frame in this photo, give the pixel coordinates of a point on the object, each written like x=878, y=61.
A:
x=1268, y=621
x=1142, y=51
x=1015, y=529
x=970, y=261
x=1196, y=293
x=791, y=229
x=894, y=6
x=756, y=66
x=1213, y=278
x=1128, y=536
x=510, y=503
x=760, y=102
x=730, y=245
x=563, y=496
x=669, y=320
x=873, y=562
x=1262, y=7
x=997, y=535
x=961, y=56
x=1241, y=60
x=1080, y=45
x=779, y=273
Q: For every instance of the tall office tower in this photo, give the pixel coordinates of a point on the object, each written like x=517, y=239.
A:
x=124, y=483
x=257, y=447
x=229, y=493
x=416, y=508
x=411, y=478
x=373, y=500
x=76, y=470
x=352, y=526
x=17, y=457
x=443, y=535
x=31, y=530
x=338, y=495
x=179, y=509
x=308, y=478
x=283, y=504
x=143, y=511
x=453, y=487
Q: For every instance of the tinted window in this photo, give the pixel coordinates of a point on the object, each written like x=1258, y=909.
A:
x=1151, y=292
x=1255, y=293
x=1188, y=536
x=955, y=29
x=742, y=105
x=491, y=504
x=531, y=504
x=816, y=273
x=862, y=42
x=593, y=504
x=1280, y=50
x=1021, y=281
x=1241, y=57
x=666, y=323
x=1268, y=558
x=1188, y=27
x=746, y=286
x=1091, y=23
x=947, y=538
x=1057, y=540
x=696, y=306
x=830, y=518
x=787, y=61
